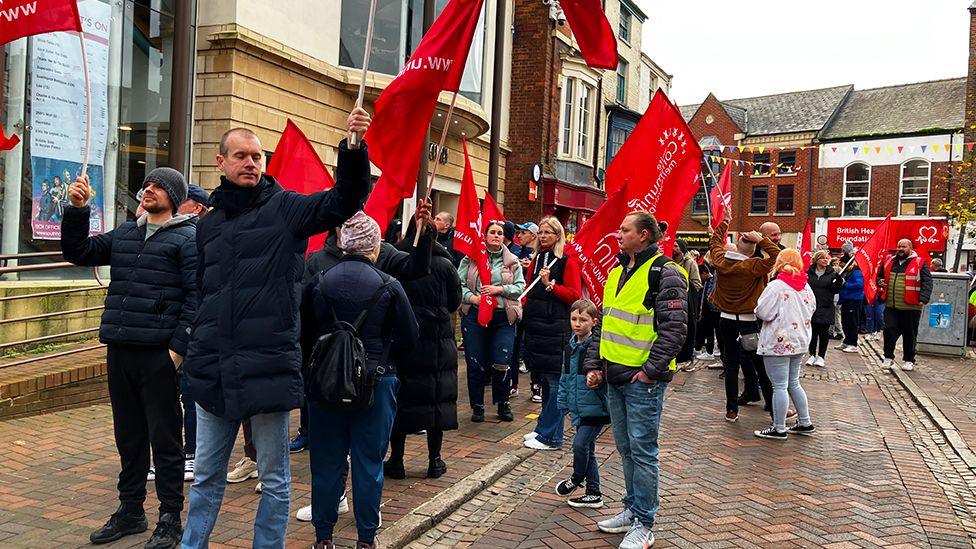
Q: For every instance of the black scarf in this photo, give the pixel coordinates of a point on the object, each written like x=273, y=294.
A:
x=235, y=199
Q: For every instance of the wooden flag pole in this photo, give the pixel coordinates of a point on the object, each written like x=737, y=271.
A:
x=440, y=147
x=354, y=138
x=88, y=104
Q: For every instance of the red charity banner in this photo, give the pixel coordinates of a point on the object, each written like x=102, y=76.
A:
x=29, y=17
x=297, y=166
x=403, y=111
x=929, y=233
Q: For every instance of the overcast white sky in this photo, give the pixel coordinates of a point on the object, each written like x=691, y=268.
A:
x=744, y=48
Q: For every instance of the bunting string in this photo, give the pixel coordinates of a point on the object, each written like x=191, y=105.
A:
x=854, y=148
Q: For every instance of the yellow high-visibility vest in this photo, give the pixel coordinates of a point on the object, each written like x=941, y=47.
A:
x=628, y=326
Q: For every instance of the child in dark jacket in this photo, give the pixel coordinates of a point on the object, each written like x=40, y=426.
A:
x=587, y=409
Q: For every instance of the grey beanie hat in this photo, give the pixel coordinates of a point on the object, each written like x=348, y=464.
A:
x=847, y=247
x=170, y=181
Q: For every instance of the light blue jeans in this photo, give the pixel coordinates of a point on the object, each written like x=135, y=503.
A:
x=215, y=442
x=784, y=373
x=635, y=413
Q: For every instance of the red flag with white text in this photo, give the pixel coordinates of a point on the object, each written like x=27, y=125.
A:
x=720, y=196
x=806, y=246
x=871, y=256
x=467, y=226
x=489, y=213
x=659, y=164
x=403, y=111
x=596, y=244
x=592, y=31
x=297, y=166
x=20, y=18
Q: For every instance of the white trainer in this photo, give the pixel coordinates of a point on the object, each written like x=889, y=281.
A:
x=536, y=445
x=820, y=362
x=617, y=524
x=887, y=363
x=243, y=470
x=811, y=361
x=908, y=366
x=531, y=435
x=639, y=537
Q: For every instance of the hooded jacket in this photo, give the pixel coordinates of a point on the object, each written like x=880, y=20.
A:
x=244, y=356
x=786, y=308
x=152, y=296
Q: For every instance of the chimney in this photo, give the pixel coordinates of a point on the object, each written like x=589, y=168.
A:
x=970, y=120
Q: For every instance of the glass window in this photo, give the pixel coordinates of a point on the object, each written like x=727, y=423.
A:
x=784, y=199
x=857, y=189
x=583, y=123
x=914, y=198
x=567, y=135
x=787, y=162
x=625, y=20
x=760, y=198
x=622, y=81
x=617, y=138
x=761, y=166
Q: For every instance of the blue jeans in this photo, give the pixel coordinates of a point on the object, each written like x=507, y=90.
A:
x=784, y=372
x=875, y=317
x=364, y=437
x=635, y=412
x=214, y=446
x=486, y=349
x=189, y=418
x=585, y=466
x=550, y=424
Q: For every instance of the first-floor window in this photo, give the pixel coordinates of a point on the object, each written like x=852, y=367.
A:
x=857, y=189
x=914, y=197
x=760, y=199
x=784, y=199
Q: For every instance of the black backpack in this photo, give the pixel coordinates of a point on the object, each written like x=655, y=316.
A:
x=336, y=376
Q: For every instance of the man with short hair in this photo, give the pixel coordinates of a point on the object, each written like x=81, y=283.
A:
x=938, y=266
x=244, y=357
x=528, y=237
x=148, y=316
x=906, y=286
x=444, y=223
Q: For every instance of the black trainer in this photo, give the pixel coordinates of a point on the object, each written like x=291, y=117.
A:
x=805, y=430
x=771, y=433
x=437, y=468
x=394, y=470
x=745, y=400
x=505, y=412
x=592, y=501
x=567, y=487
x=120, y=524
x=168, y=532
x=477, y=413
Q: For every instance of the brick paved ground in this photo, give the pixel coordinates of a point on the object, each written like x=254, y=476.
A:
x=876, y=474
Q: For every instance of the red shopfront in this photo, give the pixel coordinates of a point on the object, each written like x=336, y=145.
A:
x=571, y=204
x=929, y=233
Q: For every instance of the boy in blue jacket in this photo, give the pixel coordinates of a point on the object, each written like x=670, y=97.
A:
x=587, y=409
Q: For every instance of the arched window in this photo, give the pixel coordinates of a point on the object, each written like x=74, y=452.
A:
x=913, y=196
x=857, y=189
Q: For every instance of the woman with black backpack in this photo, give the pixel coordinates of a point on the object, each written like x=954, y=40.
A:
x=354, y=428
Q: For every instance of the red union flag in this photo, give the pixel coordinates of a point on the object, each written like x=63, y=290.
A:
x=592, y=31
x=871, y=256
x=297, y=166
x=20, y=18
x=404, y=109
x=596, y=244
x=720, y=196
x=489, y=213
x=659, y=164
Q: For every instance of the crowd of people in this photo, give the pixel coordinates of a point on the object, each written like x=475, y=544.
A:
x=214, y=322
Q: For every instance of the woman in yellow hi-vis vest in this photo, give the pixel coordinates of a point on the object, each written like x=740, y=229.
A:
x=645, y=322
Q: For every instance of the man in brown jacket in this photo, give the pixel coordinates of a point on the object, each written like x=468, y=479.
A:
x=740, y=279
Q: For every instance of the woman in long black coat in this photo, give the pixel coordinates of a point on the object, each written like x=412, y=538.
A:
x=427, y=399
x=825, y=283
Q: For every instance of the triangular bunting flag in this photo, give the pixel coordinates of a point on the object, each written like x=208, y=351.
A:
x=970, y=146
x=923, y=147
x=855, y=150
x=935, y=148
x=900, y=149
x=833, y=149
x=762, y=149
x=741, y=148
x=877, y=150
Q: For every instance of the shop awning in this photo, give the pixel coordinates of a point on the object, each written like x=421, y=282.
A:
x=574, y=197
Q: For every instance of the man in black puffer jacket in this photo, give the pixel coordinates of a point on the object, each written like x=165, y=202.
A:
x=146, y=325
x=244, y=359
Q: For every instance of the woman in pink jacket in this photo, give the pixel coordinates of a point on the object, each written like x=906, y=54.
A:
x=786, y=307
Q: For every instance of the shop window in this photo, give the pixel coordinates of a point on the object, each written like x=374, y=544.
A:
x=914, y=189
x=760, y=200
x=857, y=189
x=784, y=199
x=786, y=163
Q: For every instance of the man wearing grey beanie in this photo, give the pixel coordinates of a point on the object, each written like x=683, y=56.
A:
x=149, y=312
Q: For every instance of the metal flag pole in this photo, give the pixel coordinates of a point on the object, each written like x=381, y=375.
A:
x=440, y=147
x=88, y=102
x=354, y=138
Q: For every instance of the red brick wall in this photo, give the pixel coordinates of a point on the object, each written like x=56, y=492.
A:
x=534, y=110
x=885, y=189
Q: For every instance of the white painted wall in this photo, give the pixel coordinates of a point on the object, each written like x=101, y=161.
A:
x=839, y=155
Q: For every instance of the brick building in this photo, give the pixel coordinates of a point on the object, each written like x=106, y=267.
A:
x=775, y=136
x=567, y=117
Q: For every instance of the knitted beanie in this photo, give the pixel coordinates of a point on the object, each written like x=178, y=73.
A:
x=170, y=181
x=360, y=234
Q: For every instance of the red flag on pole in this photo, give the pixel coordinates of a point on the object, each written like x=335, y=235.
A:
x=592, y=31
x=20, y=18
x=467, y=226
x=720, y=196
x=489, y=213
x=871, y=256
x=403, y=111
x=596, y=244
x=297, y=166
x=806, y=245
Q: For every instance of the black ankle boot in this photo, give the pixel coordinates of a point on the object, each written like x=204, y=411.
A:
x=477, y=413
x=122, y=523
x=505, y=412
x=168, y=533
x=437, y=468
x=394, y=470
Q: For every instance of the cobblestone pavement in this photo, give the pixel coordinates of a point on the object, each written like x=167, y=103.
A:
x=878, y=473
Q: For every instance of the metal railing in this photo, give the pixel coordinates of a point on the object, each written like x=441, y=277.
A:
x=5, y=268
